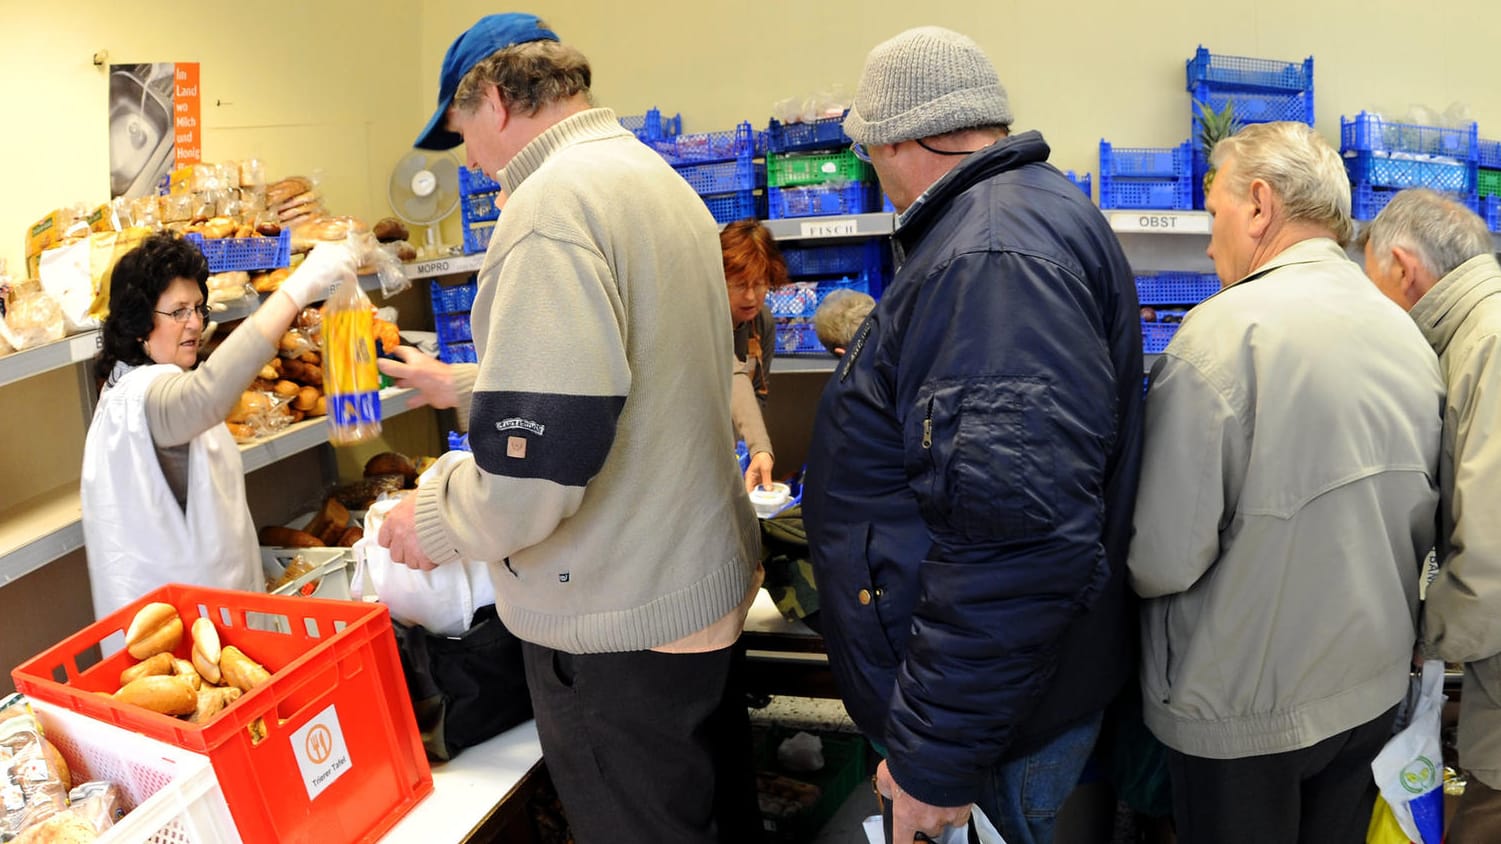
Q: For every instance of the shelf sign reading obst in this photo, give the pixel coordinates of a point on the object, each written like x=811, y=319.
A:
x=322, y=755
x=1160, y=222
x=831, y=227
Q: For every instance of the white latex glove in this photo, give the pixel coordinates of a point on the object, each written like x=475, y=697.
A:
x=329, y=264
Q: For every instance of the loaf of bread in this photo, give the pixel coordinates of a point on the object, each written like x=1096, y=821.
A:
x=156, y=628
x=331, y=516
x=280, y=192
x=285, y=537
x=160, y=693
x=206, y=650
x=392, y=463
x=388, y=229
x=65, y=827
x=241, y=671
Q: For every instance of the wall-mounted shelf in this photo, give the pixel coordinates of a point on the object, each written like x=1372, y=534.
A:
x=41, y=529
x=1159, y=222
x=439, y=267
x=823, y=228
x=19, y=366
x=821, y=363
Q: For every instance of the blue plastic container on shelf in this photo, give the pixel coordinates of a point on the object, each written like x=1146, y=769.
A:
x=704, y=147
x=1147, y=194
x=740, y=174
x=651, y=126
x=477, y=237
x=802, y=298
x=797, y=337
x=1080, y=182
x=1489, y=155
x=740, y=205
x=1367, y=132
x=823, y=200
x=1246, y=72
x=458, y=298
x=836, y=259
x=453, y=328
x=1145, y=162
x=1255, y=106
x=1175, y=288
x=824, y=133
x=480, y=207
x=473, y=181
x=229, y=254
x=1407, y=170
x=1367, y=201
x=1156, y=335
x=458, y=441
x=1490, y=209
x=457, y=353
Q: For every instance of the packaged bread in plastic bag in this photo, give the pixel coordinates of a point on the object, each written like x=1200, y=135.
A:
x=34, y=779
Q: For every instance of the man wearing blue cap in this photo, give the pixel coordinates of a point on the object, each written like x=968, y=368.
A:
x=602, y=486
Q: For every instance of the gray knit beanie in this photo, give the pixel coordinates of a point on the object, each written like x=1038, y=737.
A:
x=925, y=82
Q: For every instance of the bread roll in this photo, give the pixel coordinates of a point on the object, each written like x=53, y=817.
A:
x=306, y=399
x=392, y=463
x=219, y=227
x=184, y=669
x=155, y=629
x=279, y=192
x=269, y=282
x=156, y=664
x=388, y=229
x=286, y=389
x=251, y=404
x=268, y=229
x=350, y=536
x=240, y=431
x=331, y=516
x=285, y=537
x=206, y=650
x=241, y=671
x=160, y=693
x=65, y=827
x=211, y=700
x=321, y=408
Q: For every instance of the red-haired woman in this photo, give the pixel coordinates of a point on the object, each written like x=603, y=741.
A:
x=752, y=266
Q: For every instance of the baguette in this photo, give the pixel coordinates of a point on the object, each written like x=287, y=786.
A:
x=156, y=628
x=160, y=693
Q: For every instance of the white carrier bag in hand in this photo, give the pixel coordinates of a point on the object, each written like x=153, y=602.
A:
x=1409, y=771
x=443, y=600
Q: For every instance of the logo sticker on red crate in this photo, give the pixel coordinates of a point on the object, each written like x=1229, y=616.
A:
x=322, y=756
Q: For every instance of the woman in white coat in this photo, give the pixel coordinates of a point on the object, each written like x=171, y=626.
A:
x=163, y=488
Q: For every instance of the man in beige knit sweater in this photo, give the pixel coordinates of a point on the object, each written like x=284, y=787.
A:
x=603, y=488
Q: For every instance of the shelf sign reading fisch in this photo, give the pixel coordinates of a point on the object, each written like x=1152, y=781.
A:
x=1160, y=222
x=831, y=227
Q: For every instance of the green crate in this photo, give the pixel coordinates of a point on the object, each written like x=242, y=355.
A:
x=844, y=770
x=1489, y=182
x=816, y=168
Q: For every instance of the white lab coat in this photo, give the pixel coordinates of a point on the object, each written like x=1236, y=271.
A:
x=136, y=536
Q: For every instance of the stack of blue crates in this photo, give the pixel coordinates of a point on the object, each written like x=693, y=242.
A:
x=1163, y=297
x=451, y=306
x=1146, y=177
x=1488, y=183
x=1383, y=157
x=479, y=193
x=1080, y=182
x=652, y=126
x=1263, y=90
x=722, y=168
x=823, y=199
x=817, y=271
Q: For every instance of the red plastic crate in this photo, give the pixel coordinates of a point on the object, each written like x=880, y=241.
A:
x=335, y=674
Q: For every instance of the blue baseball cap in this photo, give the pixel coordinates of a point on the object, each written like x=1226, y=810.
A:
x=489, y=35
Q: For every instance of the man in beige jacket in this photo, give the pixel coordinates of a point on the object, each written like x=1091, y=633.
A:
x=1433, y=257
x=1287, y=501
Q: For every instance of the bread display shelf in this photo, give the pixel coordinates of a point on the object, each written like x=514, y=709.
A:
x=18, y=366
x=38, y=530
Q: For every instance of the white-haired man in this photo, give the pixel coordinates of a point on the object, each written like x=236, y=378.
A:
x=1434, y=257
x=1287, y=502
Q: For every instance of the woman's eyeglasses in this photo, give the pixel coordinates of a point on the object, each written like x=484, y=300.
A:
x=182, y=314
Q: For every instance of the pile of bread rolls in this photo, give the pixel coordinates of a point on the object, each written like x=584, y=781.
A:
x=329, y=528
x=196, y=688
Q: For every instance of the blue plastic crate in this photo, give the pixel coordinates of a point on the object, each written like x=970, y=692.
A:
x=802, y=298
x=1367, y=132
x=1407, y=170
x=1367, y=201
x=477, y=237
x=742, y=173
x=651, y=126
x=1156, y=335
x=1155, y=194
x=228, y=254
x=457, y=353
x=1244, y=72
x=1080, y=182
x=458, y=441
x=703, y=147
x=1254, y=106
x=473, y=181
x=458, y=298
x=740, y=205
x=1175, y=288
x=797, y=337
x=453, y=328
x=1145, y=162
x=1489, y=154
x=480, y=207
x=824, y=133
x=842, y=259
x=1490, y=209
x=823, y=200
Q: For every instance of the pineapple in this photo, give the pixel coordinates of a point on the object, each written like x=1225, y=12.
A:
x=1214, y=126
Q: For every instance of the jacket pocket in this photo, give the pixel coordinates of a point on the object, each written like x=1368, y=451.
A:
x=1158, y=658
x=980, y=457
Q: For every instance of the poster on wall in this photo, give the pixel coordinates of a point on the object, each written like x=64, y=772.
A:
x=153, y=124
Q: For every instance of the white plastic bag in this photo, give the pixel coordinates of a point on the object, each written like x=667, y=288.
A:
x=1410, y=769
x=985, y=831
x=442, y=600
x=64, y=272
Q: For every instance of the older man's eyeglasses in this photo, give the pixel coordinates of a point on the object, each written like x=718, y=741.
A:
x=182, y=314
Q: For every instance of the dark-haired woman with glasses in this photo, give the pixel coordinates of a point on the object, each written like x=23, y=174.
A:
x=163, y=488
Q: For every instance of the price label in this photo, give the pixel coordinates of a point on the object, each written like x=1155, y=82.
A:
x=834, y=227
x=432, y=268
x=1162, y=222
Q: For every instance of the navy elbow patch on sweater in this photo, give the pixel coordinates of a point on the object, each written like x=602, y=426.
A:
x=552, y=437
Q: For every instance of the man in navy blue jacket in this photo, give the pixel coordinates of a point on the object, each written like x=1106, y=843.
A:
x=975, y=457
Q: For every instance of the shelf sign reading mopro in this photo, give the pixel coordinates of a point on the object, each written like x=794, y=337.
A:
x=154, y=117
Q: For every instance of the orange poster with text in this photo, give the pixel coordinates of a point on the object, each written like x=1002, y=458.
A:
x=188, y=139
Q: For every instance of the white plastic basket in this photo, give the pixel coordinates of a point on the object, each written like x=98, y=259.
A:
x=172, y=794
